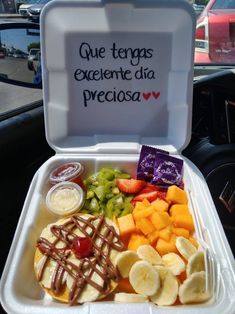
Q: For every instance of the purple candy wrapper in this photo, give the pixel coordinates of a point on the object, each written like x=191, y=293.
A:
x=167, y=170
x=146, y=162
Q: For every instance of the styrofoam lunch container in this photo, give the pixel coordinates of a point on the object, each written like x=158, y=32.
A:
x=116, y=75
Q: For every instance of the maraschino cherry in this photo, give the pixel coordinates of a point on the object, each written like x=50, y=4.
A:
x=82, y=247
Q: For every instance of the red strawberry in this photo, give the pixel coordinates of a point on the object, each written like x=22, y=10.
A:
x=130, y=186
x=150, y=192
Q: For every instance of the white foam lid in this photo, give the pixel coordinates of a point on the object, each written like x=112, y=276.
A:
x=118, y=130
x=155, y=36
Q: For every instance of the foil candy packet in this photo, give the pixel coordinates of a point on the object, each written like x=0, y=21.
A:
x=167, y=170
x=145, y=169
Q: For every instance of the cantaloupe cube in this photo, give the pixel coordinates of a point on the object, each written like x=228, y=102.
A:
x=136, y=210
x=125, y=286
x=126, y=224
x=145, y=212
x=146, y=202
x=137, y=229
x=179, y=209
x=163, y=247
x=181, y=232
x=145, y=225
x=142, y=204
x=153, y=237
x=160, y=220
x=184, y=221
x=137, y=240
x=176, y=195
x=166, y=233
x=160, y=205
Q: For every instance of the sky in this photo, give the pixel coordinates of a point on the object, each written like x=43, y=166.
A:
x=18, y=38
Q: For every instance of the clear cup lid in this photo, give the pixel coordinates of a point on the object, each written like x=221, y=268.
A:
x=66, y=172
x=65, y=198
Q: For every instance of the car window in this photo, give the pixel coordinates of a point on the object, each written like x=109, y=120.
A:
x=224, y=4
x=18, y=54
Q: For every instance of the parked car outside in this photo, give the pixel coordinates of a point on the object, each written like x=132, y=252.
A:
x=2, y=55
x=23, y=8
x=33, y=55
x=35, y=10
x=18, y=3
x=215, y=33
x=198, y=9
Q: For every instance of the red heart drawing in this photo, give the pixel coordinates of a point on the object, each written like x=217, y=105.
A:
x=156, y=95
x=146, y=95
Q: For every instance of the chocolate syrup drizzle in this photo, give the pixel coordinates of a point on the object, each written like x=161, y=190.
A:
x=104, y=238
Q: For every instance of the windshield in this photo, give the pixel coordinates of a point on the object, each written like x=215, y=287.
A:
x=30, y=2
x=33, y=52
x=224, y=4
x=43, y=1
x=214, y=36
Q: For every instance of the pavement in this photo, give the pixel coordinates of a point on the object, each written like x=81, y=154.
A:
x=13, y=97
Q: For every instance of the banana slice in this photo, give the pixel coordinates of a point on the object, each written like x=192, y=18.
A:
x=185, y=247
x=144, y=278
x=168, y=292
x=174, y=262
x=48, y=273
x=47, y=233
x=193, y=290
x=196, y=263
x=105, y=247
x=124, y=262
x=147, y=253
x=129, y=298
x=161, y=269
x=89, y=293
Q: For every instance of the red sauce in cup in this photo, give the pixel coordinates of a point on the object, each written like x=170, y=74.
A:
x=71, y=171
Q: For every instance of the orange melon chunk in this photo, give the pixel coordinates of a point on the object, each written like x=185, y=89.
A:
x=145, y=225
x=126, y=224
x=146, y=202
x=145, y=212
x=125, y=286
x=136, y=240
x=160, y=220
x=153, y=236
x=179, y=209
x=176, y=196
x=181, y=232
x=160, y=205
x=166, y=233
x=141, y=205
x=184, y=221
x=163, y=247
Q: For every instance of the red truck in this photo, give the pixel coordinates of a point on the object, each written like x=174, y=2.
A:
x=215, y=33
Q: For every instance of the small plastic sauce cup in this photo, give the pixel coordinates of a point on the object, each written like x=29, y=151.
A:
x=65, y=198
x=71, y=171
